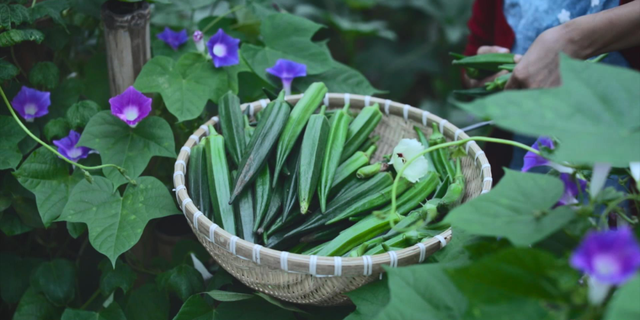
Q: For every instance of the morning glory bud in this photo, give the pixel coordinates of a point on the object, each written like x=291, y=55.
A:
x=173, y=38
x=532, y=160
x=223, y=49
x=131, y=106
x=286, y=70
x=31, y=103
x=406, y=150
x=68, y=148
x=571, y=189
x=197, y=39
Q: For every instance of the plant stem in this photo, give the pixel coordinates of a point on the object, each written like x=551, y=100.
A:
x=446, y=145
x=13, y=56
x=614, y=204
x=33, y=3
x=84, y=168
x=216, y=20
x=93, y=297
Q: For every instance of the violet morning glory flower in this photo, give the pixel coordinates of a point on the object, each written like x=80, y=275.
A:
x=67, y=147
x=197, y=38
x=286, y=70
x=610, y=257
x=131, y=106
x=31, y=103
x=532, y=160
x=571, y=189
x=223, y=49
x=173, y=38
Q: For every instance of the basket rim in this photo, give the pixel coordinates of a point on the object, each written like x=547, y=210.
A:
x=321, y=266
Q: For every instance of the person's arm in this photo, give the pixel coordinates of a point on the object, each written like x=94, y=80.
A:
x=587, y=36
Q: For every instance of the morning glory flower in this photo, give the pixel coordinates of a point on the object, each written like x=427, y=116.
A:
x=173, y=38
x=532, y=160
x=286, y=70
x=406, y=150
x=67, y=147
x=223, y=49
x=197, y=38
x=571, y=189
x=31, y=103
x=609, y=258
x=131, y=106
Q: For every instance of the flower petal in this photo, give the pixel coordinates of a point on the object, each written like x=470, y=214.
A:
x=223, y=49
x=131, y=106
x=173, y=38
x=599, y=177
x=532, y=160
x=31, y=103
x=406, y=150
x=68, y=148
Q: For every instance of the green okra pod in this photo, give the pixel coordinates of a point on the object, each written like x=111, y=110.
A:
x=197, y=180
x=300, y=114
x=372, y=169
x=425, y=143
x=261, y=145
x=232, y=125
x=333, y=152
x=274, y=209
x=219, y=181
x=347, y=169
x=262, y=191
x=415, y=195
x=371, y=141
x=290, y=196
x=360, y=129
x=487, y=62
x=454, y=194
x=360, y=232
x=244, y=214
x=412, y=218
x=441, y=156
x=324, y=234
x=312, y=150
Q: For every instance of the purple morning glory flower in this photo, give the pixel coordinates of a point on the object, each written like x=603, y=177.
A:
x=31, y=103
x=223, y=49
x=173, y=38
x=131, y=106
x=533, y=160
x=571, y=189
x=610, y=257
x=197, y=38
x=286, y=70
x=67, y=147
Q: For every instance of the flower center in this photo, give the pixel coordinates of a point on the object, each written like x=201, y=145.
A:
x=30, y=109
x=219, y=50
x=74, y=153
x=605, y=265
x=131, y=113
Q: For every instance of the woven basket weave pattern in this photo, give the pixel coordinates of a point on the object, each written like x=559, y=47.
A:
x=324, y=280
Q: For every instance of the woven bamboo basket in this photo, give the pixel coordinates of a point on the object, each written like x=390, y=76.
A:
x=317, y=280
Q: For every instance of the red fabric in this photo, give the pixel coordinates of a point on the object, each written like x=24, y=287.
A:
x=489, y=27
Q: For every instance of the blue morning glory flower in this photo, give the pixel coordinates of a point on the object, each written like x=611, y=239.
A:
x=286, y=70
x=31, y=103
x=173, y=38
x=223, y=49
x=131, y=106
x=67, y=147
x=532, y=160
x=571, y=189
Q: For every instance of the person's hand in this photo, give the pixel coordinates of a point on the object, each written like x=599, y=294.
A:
x=538, y=68
x=473, y=83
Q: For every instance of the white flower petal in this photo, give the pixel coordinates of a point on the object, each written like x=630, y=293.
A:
x=598, y=291
x=206, y=275
x=635, y=170
x=599, y=177
x=406, y=150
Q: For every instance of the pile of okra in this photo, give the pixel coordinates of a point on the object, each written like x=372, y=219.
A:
x=299, y=178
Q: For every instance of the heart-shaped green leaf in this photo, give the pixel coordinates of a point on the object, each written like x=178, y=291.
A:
x=35, y=306
x=130, y=148
x=112, y=312
x=57, y=280
x=15, y=36
x=624, y=303
x=195, y=308
x=148, y=302
x=47, y=176
x=183, y=280
x=119, y=277
x=518, y=208
x=187, y=84
x=11, y=134
x=116, y=223
x=79, y=114
x=15, y=275
x=7, y=70
x=44, y=75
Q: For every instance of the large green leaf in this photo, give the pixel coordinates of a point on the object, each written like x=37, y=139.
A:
x=49, y=179
x=47, y=176
x=56, y=129
x=81, y=112
x=5, y=16
x=112, y=312
x=340, y=78
x=119, y=277
x=183, y=280
x=11, y=225
x=195, y=308
x=34, y=306
x=227, y=296
x=51, y=8
x=15, y=273
x=15, y=36
x=185, y=85
x=56, y=280
x=251, y=309
x=116, y=223
x=370, y=300
x=422, y=292
x=148, y=302
x=624, y=304
x=594, y=113
x=512, y=273
x=130, y=148
x=11, y=134
x=44, y=75
x=7, y=70
x=518, y=208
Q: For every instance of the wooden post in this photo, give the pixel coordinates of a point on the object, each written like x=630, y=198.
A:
x=127, y=35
